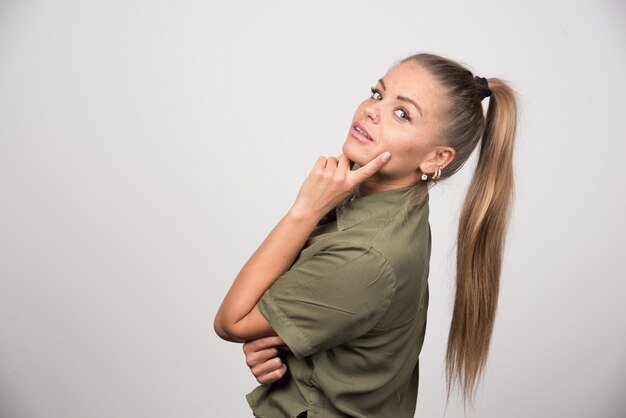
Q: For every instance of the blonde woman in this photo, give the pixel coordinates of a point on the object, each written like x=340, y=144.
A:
x=332, y=306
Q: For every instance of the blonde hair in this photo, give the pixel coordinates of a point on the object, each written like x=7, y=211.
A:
x=485, y=214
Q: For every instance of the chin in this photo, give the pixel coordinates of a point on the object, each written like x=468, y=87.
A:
x=355, y=154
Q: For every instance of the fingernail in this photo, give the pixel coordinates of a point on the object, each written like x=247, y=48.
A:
x=385, y=157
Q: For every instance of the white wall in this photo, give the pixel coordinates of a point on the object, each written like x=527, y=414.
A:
x=148, y=147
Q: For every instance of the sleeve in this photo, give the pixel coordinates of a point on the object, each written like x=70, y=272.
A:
x=334, y=296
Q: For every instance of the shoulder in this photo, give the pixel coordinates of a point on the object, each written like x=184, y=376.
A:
x=404, y=237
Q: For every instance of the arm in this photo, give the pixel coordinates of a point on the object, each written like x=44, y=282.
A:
x=238, y=318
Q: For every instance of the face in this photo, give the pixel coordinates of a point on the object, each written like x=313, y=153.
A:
x=402, y=116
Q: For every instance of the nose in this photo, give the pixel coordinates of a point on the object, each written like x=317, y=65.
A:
x=372, y=112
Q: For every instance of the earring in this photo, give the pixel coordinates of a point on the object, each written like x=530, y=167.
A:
x=424, y=177
x=437, y=173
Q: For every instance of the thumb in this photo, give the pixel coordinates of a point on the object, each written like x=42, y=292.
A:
x=363, y=173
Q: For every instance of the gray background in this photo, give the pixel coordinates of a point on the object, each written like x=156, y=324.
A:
x=148, y=147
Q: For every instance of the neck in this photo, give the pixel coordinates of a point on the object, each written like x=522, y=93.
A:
x=377, y=185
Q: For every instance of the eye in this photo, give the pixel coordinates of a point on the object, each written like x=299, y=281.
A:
x=375, y=92
x=400, y=113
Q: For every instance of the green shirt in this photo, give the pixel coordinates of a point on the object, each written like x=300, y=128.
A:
x=352, y=309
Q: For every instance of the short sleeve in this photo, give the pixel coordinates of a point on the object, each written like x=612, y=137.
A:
x=334, y=296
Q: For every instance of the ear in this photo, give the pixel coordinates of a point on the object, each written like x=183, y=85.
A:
x=441, y=156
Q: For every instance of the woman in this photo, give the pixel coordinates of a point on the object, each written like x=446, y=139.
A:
x=332, y=305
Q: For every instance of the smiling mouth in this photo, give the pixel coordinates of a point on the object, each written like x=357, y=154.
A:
x=356, y=128
x=360, y=135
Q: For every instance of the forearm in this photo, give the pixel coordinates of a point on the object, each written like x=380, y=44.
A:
x=329, y=182
x=273, y=257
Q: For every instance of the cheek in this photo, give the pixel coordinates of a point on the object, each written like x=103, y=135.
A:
x=408, y=151
x=400, y=141
x=413, y=147
x=357, y=153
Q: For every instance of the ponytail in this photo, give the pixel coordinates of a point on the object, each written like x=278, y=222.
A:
x=480, y=244
x=485, y=214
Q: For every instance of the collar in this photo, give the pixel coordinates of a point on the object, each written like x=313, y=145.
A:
x=350, y=213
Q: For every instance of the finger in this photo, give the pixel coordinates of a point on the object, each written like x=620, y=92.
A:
x=259, y=357
x=320, y=164
x=344, y=164
x=370, y=168
x=267, y=367
x=273, y=376
x=331, y=164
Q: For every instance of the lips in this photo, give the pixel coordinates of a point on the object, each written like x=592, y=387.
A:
x=360, y=133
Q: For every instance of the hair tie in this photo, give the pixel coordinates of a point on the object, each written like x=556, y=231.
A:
x=484, y=87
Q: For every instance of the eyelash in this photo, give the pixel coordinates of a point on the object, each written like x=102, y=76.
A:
x=374, y=90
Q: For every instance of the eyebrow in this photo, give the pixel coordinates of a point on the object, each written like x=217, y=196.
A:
x=406, y=99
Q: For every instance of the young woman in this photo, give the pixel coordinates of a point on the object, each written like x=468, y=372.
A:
x=332, y=306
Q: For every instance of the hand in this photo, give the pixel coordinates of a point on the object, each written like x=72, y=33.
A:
x=330, y=181
x=263, y=360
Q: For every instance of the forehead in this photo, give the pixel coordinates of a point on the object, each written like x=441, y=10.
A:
x=413, y=81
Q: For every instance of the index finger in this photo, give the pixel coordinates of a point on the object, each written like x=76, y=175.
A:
x=363, y=173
